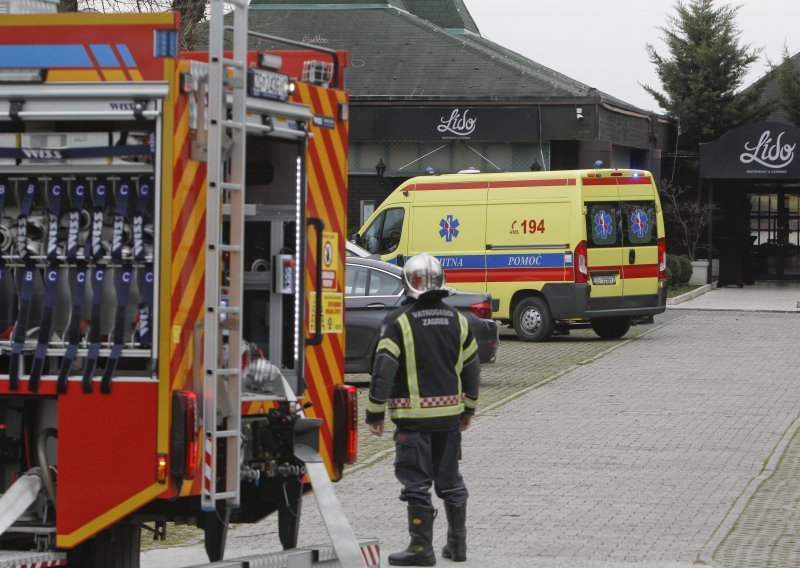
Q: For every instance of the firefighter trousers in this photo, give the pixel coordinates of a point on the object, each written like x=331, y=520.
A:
x=425, y=458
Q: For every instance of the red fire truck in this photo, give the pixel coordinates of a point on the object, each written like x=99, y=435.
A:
x=171, y=286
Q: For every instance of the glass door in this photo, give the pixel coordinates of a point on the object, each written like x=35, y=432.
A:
x=775, y=230
x=790, y=234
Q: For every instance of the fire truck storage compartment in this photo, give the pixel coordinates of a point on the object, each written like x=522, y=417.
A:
x=78, y=277
x=274, y=191
x=57, y=238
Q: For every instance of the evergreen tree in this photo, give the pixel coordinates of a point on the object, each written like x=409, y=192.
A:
x=788, y=76
x=704, y=70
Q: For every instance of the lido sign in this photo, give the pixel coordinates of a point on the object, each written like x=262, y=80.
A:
x=768, y=152
x=457, y=124
x=757, y=151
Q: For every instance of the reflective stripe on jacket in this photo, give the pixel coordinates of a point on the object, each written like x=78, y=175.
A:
x=420, y=361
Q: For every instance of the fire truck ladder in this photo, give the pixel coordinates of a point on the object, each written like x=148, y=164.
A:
x=222, y=385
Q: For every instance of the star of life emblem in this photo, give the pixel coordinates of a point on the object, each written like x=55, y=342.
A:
x=449, y=228
x=602, y=225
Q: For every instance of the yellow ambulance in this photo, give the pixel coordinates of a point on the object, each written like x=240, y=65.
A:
x=556, y=250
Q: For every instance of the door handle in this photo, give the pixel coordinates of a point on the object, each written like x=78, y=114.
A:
x=375, y=306
x=316, y=339
x=632, y=256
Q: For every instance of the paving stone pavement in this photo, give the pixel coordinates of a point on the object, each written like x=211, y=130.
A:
x=675, y=448
x=763, y=297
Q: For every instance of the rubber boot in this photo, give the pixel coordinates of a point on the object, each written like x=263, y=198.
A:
x=456, y=547
x=420, y=550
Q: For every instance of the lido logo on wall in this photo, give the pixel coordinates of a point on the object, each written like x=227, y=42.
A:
x=770, y=152
x=763, y=150
x=457, y=124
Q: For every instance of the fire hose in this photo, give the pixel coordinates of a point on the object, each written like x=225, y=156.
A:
x=25, y=491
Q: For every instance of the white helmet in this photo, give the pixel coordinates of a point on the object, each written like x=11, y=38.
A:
x=422, y=273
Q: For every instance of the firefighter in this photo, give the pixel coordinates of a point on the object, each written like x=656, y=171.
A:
x=426, y=371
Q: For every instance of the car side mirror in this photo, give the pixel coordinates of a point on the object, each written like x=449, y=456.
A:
x=356, y=239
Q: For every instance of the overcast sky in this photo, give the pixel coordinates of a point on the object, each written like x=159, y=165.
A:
x=602, y=42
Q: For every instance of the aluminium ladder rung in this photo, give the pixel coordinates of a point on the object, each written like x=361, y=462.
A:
x=229, y=248
x=233, y=125
x=224, y=434
x=231, y=186
x=235, y=63
x=225, y=495
x=234, y=310
x=231, y=372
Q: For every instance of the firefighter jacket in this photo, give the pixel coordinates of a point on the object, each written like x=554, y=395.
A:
x=426, y=370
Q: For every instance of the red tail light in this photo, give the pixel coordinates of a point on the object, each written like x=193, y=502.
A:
x=581, y=263
x=662, y=258
x=183, y=438
x=482, y=309
x=345, y=424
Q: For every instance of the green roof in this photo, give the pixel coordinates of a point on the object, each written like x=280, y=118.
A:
x=415, y=50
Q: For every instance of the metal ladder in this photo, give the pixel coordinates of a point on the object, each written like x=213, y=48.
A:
x=222, y=380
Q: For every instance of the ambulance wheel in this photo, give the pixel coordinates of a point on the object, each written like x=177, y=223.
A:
x=115, y=547
x=611, y=328
x=532, y=320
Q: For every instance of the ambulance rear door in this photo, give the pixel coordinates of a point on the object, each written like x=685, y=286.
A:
x=639, y=241
x=603, y=242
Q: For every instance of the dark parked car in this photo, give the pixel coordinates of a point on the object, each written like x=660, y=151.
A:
x=353, y=249
x=374, y=288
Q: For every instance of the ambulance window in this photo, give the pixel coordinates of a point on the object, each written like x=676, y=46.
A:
x=383, y=235
x=372, y=236
x=640, y=223
x=392, y=230
x=602, y=227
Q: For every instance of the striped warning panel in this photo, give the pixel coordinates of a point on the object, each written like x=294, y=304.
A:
x=327, y=200
x=187, y=268
x=19, y=559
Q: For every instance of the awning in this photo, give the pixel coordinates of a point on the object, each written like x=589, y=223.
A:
x=759, y=151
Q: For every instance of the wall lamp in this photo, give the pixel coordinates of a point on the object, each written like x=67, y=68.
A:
x=380, y=168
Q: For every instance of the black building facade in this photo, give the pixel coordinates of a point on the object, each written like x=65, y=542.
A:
x=429, y=93
x=752, y=175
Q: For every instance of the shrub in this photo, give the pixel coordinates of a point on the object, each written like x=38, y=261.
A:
x=673, y=270
x=686, y=270
x=679, y=270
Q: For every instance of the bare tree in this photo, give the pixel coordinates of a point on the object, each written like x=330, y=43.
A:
x=689, y=215
x=193, y=13
x=68, y=5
